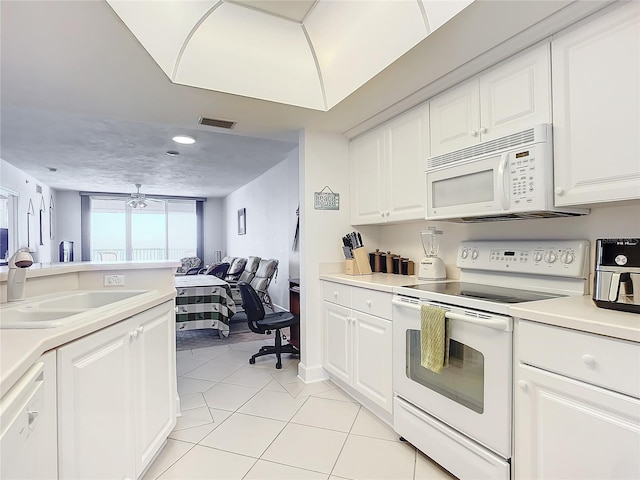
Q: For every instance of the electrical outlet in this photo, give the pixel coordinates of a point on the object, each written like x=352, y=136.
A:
x=113, y=280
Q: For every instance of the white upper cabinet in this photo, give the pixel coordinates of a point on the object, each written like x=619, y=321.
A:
x=596, y=108
x=368, y=191
x=510, y=97
x=387, y=170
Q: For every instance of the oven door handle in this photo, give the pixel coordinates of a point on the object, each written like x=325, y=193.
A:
x=495, y=323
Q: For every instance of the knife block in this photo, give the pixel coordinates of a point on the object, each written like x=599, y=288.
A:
x=360, y=264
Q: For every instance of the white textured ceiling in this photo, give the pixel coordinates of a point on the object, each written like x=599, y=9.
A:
x=308, y=54
x=78, y=92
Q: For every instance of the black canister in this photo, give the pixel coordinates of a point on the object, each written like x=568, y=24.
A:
x=397, y=264
x=377, y=261
x=404, y=266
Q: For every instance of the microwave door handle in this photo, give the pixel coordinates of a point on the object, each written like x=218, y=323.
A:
x=502, y=171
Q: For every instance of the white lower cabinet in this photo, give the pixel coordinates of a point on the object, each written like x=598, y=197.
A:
x=357, y=345
x=568, y=428
x=116, y=397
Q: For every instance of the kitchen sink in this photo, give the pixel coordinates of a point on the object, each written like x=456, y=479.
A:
x=84, y=300
x=33, y=318
x=55, y=312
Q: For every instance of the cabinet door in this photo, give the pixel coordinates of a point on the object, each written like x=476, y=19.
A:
x=516, y=94
x=455, y=118
x=407, y=147
x=596, y=109
x=372, y=359
x=571, y=430
x=155, y=381
x=95, y=406
x=366, y=178
x=336, y=335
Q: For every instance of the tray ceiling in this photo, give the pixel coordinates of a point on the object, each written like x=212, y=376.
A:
x=310, y=54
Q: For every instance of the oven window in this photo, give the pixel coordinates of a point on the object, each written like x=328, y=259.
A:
x=462, y=381
x=463, y=190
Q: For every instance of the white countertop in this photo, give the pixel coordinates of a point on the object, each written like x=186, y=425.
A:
x=20, y=348
x=383, y=282
x=580, y=313
x=47, y=269
x=577, y=313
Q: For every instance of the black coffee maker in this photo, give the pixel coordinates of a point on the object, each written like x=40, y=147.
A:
x=617, y=274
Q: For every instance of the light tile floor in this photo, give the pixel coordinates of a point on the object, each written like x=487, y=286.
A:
x=254, y=422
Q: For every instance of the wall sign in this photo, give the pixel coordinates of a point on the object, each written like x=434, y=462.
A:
x=326, y=200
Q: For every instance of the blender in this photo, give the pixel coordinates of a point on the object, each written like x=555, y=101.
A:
x=431, y=266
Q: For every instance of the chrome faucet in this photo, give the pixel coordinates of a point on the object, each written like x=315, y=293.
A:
x=18, y=264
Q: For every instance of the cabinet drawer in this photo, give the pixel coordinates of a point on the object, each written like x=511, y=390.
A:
x=337, y=293
x=372, y=302
x=603, y=361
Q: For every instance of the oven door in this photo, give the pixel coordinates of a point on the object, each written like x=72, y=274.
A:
x=477, y=187
x=472, y=394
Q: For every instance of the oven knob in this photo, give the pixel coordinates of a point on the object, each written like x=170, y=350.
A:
x=537, y=257
x=569, y=258
x=551, y=257
x=474, y=254
x=464, y=253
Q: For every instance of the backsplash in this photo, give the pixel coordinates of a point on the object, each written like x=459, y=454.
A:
x=602, y=222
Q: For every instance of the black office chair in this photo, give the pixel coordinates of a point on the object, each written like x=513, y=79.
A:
x=259, y=322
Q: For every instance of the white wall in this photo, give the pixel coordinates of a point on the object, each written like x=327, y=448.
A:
x=24, y=185
x=214, y=228
x=270, y=202
x=68, y=221
x=603, y=222
x=324, y=161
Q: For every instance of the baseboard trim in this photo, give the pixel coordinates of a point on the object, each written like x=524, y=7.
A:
x=311, y=374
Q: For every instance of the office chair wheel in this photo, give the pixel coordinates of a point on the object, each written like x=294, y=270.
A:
x=252, y=361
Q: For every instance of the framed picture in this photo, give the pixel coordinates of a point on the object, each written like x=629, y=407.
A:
x=242, y=221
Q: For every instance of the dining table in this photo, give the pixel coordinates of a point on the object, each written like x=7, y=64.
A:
x=203, y=301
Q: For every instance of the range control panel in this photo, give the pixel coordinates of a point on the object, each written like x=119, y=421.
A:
x=566, y=258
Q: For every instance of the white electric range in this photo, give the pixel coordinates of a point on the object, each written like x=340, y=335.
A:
x=461, y=416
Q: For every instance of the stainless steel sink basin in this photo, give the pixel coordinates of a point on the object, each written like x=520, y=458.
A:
x=32, y=318
x=63, y=309
x=84, y=300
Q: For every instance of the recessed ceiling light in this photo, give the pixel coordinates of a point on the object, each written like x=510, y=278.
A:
x=173, y=153
x=184, y=139
x=52, y=169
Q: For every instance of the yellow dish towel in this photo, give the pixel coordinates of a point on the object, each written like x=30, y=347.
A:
x=434, y=338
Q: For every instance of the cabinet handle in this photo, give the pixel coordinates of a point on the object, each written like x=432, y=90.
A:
x=483, y=130
x=382, y=214
x=523, y=385
x=474, y=133
x=335, y=294
x=140, y=330
x=559, y=191
x=368, y=303
x=134, y=334
x=589, y=360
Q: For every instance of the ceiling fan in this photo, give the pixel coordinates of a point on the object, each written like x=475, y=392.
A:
x=137, y=199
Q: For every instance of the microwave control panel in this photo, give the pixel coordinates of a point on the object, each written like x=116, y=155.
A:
x=524, y=177
x=546, y=257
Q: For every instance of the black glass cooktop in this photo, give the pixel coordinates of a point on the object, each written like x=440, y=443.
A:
x=484, y=292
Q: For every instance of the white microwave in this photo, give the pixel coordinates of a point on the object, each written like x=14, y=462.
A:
x=502, y=179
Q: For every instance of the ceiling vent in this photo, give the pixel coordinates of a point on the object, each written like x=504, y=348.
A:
x=215, y=122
